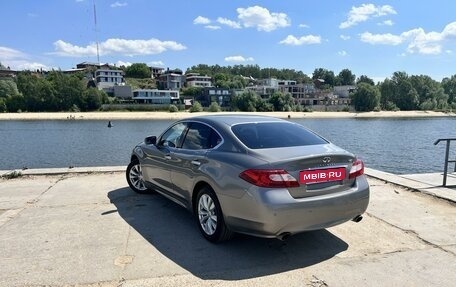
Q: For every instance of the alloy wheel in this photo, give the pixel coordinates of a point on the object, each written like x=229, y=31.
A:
x=207, y=214
x=136, y=177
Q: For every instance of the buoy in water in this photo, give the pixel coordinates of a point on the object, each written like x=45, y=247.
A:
x=110, y=124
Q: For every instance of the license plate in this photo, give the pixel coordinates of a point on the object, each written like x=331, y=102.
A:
x=321, y=175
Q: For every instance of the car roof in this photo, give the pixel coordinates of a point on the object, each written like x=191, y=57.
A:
x=234, y=119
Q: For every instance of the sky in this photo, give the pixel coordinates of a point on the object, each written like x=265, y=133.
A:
x=373, y=38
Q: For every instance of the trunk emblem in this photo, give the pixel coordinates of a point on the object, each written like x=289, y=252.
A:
x=326, y=159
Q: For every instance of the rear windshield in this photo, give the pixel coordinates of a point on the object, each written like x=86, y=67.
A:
x=275, y=135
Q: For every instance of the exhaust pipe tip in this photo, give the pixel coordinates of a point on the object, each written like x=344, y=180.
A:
x=284, y=236
x=357, y=218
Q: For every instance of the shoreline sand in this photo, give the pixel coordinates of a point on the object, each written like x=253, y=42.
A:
x=181, y=115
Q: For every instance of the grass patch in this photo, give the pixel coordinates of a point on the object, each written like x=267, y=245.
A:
x=12, y=174
x=141, y=83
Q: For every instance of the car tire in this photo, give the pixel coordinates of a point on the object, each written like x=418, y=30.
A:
x=135, y=177
x=209, y=216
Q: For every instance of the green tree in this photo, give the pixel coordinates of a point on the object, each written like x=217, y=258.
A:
x=281, y=101
x=68, y=89
x=214, y=107
x=399, y=92
x=405, y=97
x=15, y=103
x=425, y=86
x=138, y=70
x=238, y=82
x=8, y=88
x=449, y=86
x=249, y=71
x=366, y=97
x=387, y=90
x=325, y=75
x=365, y=79
x=221, y=80
x=192, y=91
x=196, y=107
x=173, y=109
x=441, y=99
x=39, y=94
x=247, y=102
x=264, y=106
x=3, y=107
x=92, y=99
x=346, y=77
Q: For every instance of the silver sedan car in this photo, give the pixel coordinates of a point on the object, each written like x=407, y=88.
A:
x=255, y=175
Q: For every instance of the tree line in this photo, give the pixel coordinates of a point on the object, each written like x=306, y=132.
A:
x=69, y=92
x=53, y=93
x=405, y=93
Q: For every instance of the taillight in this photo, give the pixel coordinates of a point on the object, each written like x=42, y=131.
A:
x=357, y=169
x=274, y=178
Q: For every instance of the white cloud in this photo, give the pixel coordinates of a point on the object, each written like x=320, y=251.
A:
x=449, y=30
x=79, y=0
x=156, y=63
x=386, y=23
x=200, y=20
x=117, y=47
x=10, y=54
x=32, y=15
x=238, y=59
x=342, y=53
x=364, y=12
x=418, y=41
x=212, y=27
x=122, y=63
x=303, y=26
x=384, y=39
x=24, y=65
x=262, y=19
x=18, y=60
x=118, y=4
x=345, y=37
x=304, y=40
x=229, y=23
x=20, y=65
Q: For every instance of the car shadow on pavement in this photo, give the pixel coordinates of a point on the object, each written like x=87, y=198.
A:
x=172, y=230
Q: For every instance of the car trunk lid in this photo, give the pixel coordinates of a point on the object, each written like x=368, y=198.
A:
x=319, y=169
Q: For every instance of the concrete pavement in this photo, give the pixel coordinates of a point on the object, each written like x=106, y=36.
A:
x=90, y=229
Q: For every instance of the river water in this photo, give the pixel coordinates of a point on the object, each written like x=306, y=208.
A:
x=394, y=145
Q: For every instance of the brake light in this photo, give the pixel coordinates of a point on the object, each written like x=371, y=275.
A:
x=357, y=169
x=275, y=178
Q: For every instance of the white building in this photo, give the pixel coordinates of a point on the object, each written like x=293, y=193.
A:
x=171, y=80
x=156, y=72
x=196, y=80
x=344, y=91
x=149, y=96
x=106, y=79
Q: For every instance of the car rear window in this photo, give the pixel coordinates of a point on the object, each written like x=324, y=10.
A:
x=275, y=135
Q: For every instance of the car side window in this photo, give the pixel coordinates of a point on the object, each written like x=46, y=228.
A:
x=200, y=136
x=173, y=136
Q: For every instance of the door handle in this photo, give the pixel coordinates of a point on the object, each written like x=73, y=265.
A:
x=196, y=162
x=168, y=157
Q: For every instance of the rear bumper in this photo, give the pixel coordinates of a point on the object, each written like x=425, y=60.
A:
x=270, y=213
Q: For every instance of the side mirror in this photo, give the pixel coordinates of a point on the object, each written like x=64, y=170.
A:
x=150, y=140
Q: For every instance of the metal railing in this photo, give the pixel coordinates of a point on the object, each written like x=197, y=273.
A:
x=447, y=161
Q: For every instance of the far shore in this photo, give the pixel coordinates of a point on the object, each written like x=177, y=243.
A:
x=184, y=114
